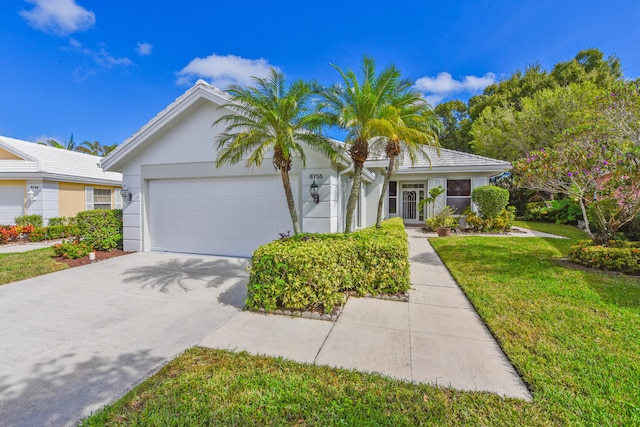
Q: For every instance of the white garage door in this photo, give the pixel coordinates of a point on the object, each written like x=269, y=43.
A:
x=11, y=204
x=218, y=216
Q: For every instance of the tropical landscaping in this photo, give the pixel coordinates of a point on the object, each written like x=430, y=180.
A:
x=571, y=333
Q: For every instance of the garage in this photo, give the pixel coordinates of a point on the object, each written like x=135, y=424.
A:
x=217, y=216
x=12, y=204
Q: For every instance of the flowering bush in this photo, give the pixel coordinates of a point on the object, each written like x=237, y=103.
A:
x=618, y=256
x=14, y=232
x=72, y=250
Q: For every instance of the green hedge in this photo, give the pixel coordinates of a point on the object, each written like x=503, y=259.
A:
x=618, y=256
x=491, y=200
x=35, y=220
x=100, y=229
x=314, y=271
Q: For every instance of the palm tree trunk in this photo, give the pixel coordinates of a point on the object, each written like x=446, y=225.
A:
x=284, y=173
x=353, y=197
x=387, y=177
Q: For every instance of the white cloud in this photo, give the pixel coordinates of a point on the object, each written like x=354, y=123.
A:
x=100, y=56
x=444, y=85
x=222, y=71
x=144, y=48
x=59, y=17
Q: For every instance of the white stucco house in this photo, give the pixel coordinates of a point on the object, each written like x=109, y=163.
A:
x=180, y=201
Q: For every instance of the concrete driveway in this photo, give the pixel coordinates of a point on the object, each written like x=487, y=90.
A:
x=77, y=339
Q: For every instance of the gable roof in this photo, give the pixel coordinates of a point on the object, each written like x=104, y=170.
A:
x=444, y=161
x=41, y=161
x=182, y=105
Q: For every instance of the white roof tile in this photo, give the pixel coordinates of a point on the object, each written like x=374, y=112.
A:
x=54, y=162
x=446, y=159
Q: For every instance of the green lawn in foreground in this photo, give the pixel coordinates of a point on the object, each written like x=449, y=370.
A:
x=24, y=265
x=569, y=231
x=573, y=335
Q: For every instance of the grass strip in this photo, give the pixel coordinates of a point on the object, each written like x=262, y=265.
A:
x=25, y=265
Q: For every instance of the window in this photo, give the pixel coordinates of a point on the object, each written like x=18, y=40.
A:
x=393, y=197
x=459, y=194
x=101, y=198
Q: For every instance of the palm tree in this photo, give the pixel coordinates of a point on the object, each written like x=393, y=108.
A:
x=71, y=145
x=413, y=127
x=94, y=148
x=361, y=106
x=271, y=116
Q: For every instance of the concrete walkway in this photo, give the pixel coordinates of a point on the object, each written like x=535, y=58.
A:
x=436, y=338
x=26, y=247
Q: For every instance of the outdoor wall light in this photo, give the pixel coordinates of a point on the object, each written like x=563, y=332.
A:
x=31, y=196
x=125, y=193
x=313, y=190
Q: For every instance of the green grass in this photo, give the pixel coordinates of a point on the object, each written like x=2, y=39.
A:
x=24, y=265
x=569, y=231
x=573, y=335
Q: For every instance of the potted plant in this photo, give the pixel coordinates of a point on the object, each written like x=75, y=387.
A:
x=444, y=221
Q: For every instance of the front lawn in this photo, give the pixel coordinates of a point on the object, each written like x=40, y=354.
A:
x=573, y=335
x=569, y=231
x=24, y=265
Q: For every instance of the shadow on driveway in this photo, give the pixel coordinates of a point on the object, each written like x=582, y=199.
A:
x=62, y=390
x=186, y=273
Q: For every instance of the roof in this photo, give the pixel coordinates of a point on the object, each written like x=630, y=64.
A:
x=445, y=161
x=53, y=164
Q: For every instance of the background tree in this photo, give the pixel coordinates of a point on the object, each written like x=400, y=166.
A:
x=68, y=145
x=94, y=148
x=359, y=105
x=271, y=117
x=456, y=125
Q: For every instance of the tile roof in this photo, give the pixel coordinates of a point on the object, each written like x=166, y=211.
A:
x=54, y=163
x=447, y=159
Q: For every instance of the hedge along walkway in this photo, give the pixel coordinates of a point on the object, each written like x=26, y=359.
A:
x=436, y=338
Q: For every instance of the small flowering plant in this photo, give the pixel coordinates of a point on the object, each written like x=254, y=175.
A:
x=72, y=250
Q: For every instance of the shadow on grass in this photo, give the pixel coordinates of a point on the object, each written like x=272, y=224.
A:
x=62, y=390
x=191, y=272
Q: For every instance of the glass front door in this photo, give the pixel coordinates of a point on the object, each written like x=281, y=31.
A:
x=409, y=205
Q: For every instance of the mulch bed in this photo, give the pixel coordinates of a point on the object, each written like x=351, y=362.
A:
x=100, y=256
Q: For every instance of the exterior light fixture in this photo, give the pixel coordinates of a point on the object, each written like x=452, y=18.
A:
x=313, y=190
x=125, y=193
x=31, y=196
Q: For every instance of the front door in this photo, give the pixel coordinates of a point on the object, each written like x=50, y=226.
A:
x=410, y=196
x=409, y=205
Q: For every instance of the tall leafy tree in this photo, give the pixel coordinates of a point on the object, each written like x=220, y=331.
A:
x=360, y=105
x=412, y=125
x=271, y=116
x=456, y=125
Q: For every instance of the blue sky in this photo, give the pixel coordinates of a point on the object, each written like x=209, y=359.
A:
x=102, y=69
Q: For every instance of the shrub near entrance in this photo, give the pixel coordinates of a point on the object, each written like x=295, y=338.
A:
x=621, y=256
x=314, y=271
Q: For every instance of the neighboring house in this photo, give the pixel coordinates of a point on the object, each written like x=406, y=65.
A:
x=181, y=202
x=52, y=182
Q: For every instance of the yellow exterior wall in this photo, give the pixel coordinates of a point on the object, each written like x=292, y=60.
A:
x=71, y=197
x=5, y=155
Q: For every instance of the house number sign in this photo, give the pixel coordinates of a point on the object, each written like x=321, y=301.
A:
x=316, y=176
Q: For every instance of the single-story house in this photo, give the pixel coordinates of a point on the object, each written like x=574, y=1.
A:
x=180, y=201
x=52, y=182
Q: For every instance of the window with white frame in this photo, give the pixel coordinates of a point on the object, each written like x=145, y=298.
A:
x=459, y=194
x=101, y=198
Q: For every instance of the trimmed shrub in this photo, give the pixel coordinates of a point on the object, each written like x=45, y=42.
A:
x=502, y=223
x=38, y=234
x=59, y=220
x=72, y=250
x=314, y=271
x=100, y=229
x=35, y=220
x=491, y=200
x=618, y=256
